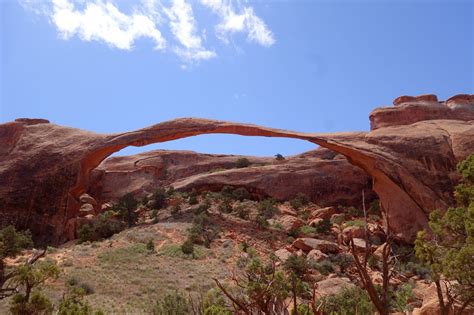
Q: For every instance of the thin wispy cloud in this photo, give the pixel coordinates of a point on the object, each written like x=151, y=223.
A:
x=243, y=20
x=106, y=21
x=183, y=27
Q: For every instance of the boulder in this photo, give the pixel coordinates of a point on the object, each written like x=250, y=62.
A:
x=307, y=244
x=316, y=255
x=353, y=232
x=86, y=198
x=332, y=286
x=289, y=222
x=283, y=254
x=86, y=209
x=323, y=213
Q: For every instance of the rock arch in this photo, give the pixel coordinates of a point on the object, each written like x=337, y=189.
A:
x=412, y=166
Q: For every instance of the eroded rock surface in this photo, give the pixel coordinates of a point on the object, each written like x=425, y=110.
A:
x=324, y=177
x=45, y=168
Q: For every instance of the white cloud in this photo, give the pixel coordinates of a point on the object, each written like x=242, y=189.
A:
x=183, y=27
x=104, y=21
x=244, y=21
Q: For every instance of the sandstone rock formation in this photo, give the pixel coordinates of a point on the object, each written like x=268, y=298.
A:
x=411, y=154
x=326, y=178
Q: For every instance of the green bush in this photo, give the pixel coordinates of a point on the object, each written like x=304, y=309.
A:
x=99, y=229
x=125, y=207
x=267, y=209
x=299, y=201
x=38, y=303
x=359, y=223
x=188, y=247
x=262, y=222
x=225, y=206
x=193, y=200
x=242, y=212
x=172, y=304
x=325, y=267
x=13, y=242
x=307, y=230
x=175, y=211
x=354, y=212
x=324, y=226
x=159, y=197
x=150, y=245
x=241, y=194
x=348, y=301
x=279, y=157
x=402, y=296
x=242, y=162
x=344, y=261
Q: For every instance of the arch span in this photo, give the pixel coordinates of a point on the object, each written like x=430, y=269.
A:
x=403, y=208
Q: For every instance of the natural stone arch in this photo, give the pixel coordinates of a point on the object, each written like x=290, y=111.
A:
x=352, y=145
x=44, y=168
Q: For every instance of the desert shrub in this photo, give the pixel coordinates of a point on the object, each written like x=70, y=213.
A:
x=125, y=207
x=159, y=197
x=355, y=223
x=202, y=208
x=175, y=210
x=154, y=215
x=31, y=278
x=172, y=304
x=242, y=162
x=225, y=206
x=99, y=229
x=193, y=200
x=150, y=245
x=348, y=301
x=37, y=303
x=344, y=261
x=299, y=201
x=262, y=222
x=75, y=284
x=325, y=267
x=354, y=212
x=242, y=212
x=170, y=192
x=13, y=242
x=374, y=208
x=267, y=209
x=240, y=194
x=279, y=157
x=324, y=226
x=401, y=297
x=188, y=247
x=307, y=230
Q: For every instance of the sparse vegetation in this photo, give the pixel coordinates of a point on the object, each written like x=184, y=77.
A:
x=348, y=301
x=324, y=226
x=449, y=250
x=299, y=201
x=279, y=157
x=242, y=163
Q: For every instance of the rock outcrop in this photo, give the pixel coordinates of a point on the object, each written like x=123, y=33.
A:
x=324, y=177
x=45, y=168
x=411, y=109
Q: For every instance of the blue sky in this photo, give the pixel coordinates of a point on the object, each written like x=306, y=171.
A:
x=316, y=66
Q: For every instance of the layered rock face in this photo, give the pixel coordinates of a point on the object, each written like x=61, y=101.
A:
x=325, y=177
x=45, y=168
x=411, y=109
